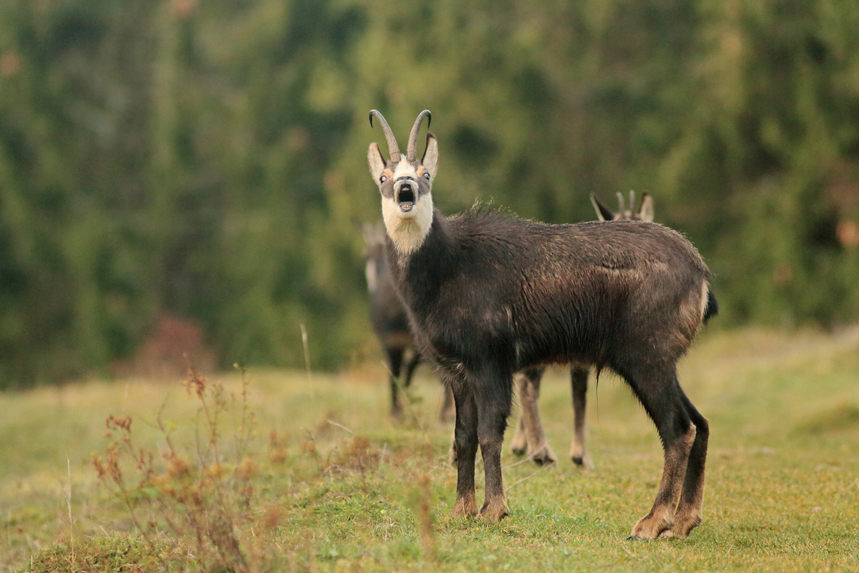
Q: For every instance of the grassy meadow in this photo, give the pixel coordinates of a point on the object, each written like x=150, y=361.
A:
x=313, y=475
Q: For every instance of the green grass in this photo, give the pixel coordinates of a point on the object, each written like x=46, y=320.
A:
x=355, y=491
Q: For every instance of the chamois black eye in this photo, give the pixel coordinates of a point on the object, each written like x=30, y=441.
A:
x=426, y=176
x=382, y=179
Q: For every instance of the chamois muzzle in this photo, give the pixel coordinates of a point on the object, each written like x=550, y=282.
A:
x=406, y=190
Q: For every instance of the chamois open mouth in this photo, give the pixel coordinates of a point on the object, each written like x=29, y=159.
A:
x=406, y=198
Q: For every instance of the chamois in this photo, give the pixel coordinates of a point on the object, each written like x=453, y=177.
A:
x=488, y=294
x=529, y=435
x=390, y=322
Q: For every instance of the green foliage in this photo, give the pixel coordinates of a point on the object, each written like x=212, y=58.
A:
x=326, y=481
x=189, y=501
x=207, y=159
x=95, y=554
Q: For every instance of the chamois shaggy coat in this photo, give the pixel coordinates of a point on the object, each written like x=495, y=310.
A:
x=531, y=294
x=488, y=294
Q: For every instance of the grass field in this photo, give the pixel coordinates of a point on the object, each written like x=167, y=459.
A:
x=342, y=487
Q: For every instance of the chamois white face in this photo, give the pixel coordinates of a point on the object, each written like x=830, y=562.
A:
x=406, y=189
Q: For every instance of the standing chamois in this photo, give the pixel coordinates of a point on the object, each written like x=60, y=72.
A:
x=488, y=295
x=529, y=436
x=391, y=324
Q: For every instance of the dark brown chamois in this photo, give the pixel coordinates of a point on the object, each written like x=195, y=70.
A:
x=529, y=436
x=391, y=324
x=488, y=295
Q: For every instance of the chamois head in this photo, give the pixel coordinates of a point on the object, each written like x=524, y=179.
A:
x=405, y=184
x=645, y=212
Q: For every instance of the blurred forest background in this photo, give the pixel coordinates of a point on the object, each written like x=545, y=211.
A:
x=206, y=159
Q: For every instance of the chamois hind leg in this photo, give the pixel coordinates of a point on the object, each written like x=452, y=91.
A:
x=395, y=365
x=662, y=398
x=464, y=447
x=690, y=509
x=493, y=395
x=578, y=450
x=530, y=428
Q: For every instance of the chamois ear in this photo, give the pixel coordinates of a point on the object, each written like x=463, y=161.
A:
x=645, y=213
x=430, y=158
x=603, y=212
x=376, y=161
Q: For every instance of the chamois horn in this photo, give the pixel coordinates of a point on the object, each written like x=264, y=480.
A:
x=412, y=149
x=393, y=148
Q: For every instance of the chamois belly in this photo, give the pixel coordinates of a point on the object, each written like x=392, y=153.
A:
x=500, y=338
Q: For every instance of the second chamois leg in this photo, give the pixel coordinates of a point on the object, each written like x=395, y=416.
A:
x=519, y=443
x=448, y=408
x=411, y=365
x=578, y=450
x=529, y=436
x=395, y=366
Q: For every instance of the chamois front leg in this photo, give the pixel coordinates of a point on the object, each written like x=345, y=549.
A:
x=464, y=449
x=578, y=450
x=493, y=395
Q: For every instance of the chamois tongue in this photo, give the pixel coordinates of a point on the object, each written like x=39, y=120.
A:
x=406, y=205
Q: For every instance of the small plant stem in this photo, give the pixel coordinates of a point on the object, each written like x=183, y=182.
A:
x=341, y=426
x=529, y=476
x=522, y=461
x=307, y=359
x=69, y=504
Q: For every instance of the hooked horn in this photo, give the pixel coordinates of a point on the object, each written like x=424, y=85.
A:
x=393, y=148
x=412, y=150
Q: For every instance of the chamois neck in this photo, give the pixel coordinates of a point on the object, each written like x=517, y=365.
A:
x=408, y=232
x=434, y=240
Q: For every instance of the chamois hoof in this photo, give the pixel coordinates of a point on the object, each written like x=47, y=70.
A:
x=652, y=526
x=545, y=457
x=518, y=449
x=518, y=445
x=465, y=506
x=583, y=462
x=495, y=510
x=684, y=524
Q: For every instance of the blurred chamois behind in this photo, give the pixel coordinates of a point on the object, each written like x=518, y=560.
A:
x=391, y=324
x=529, y=437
